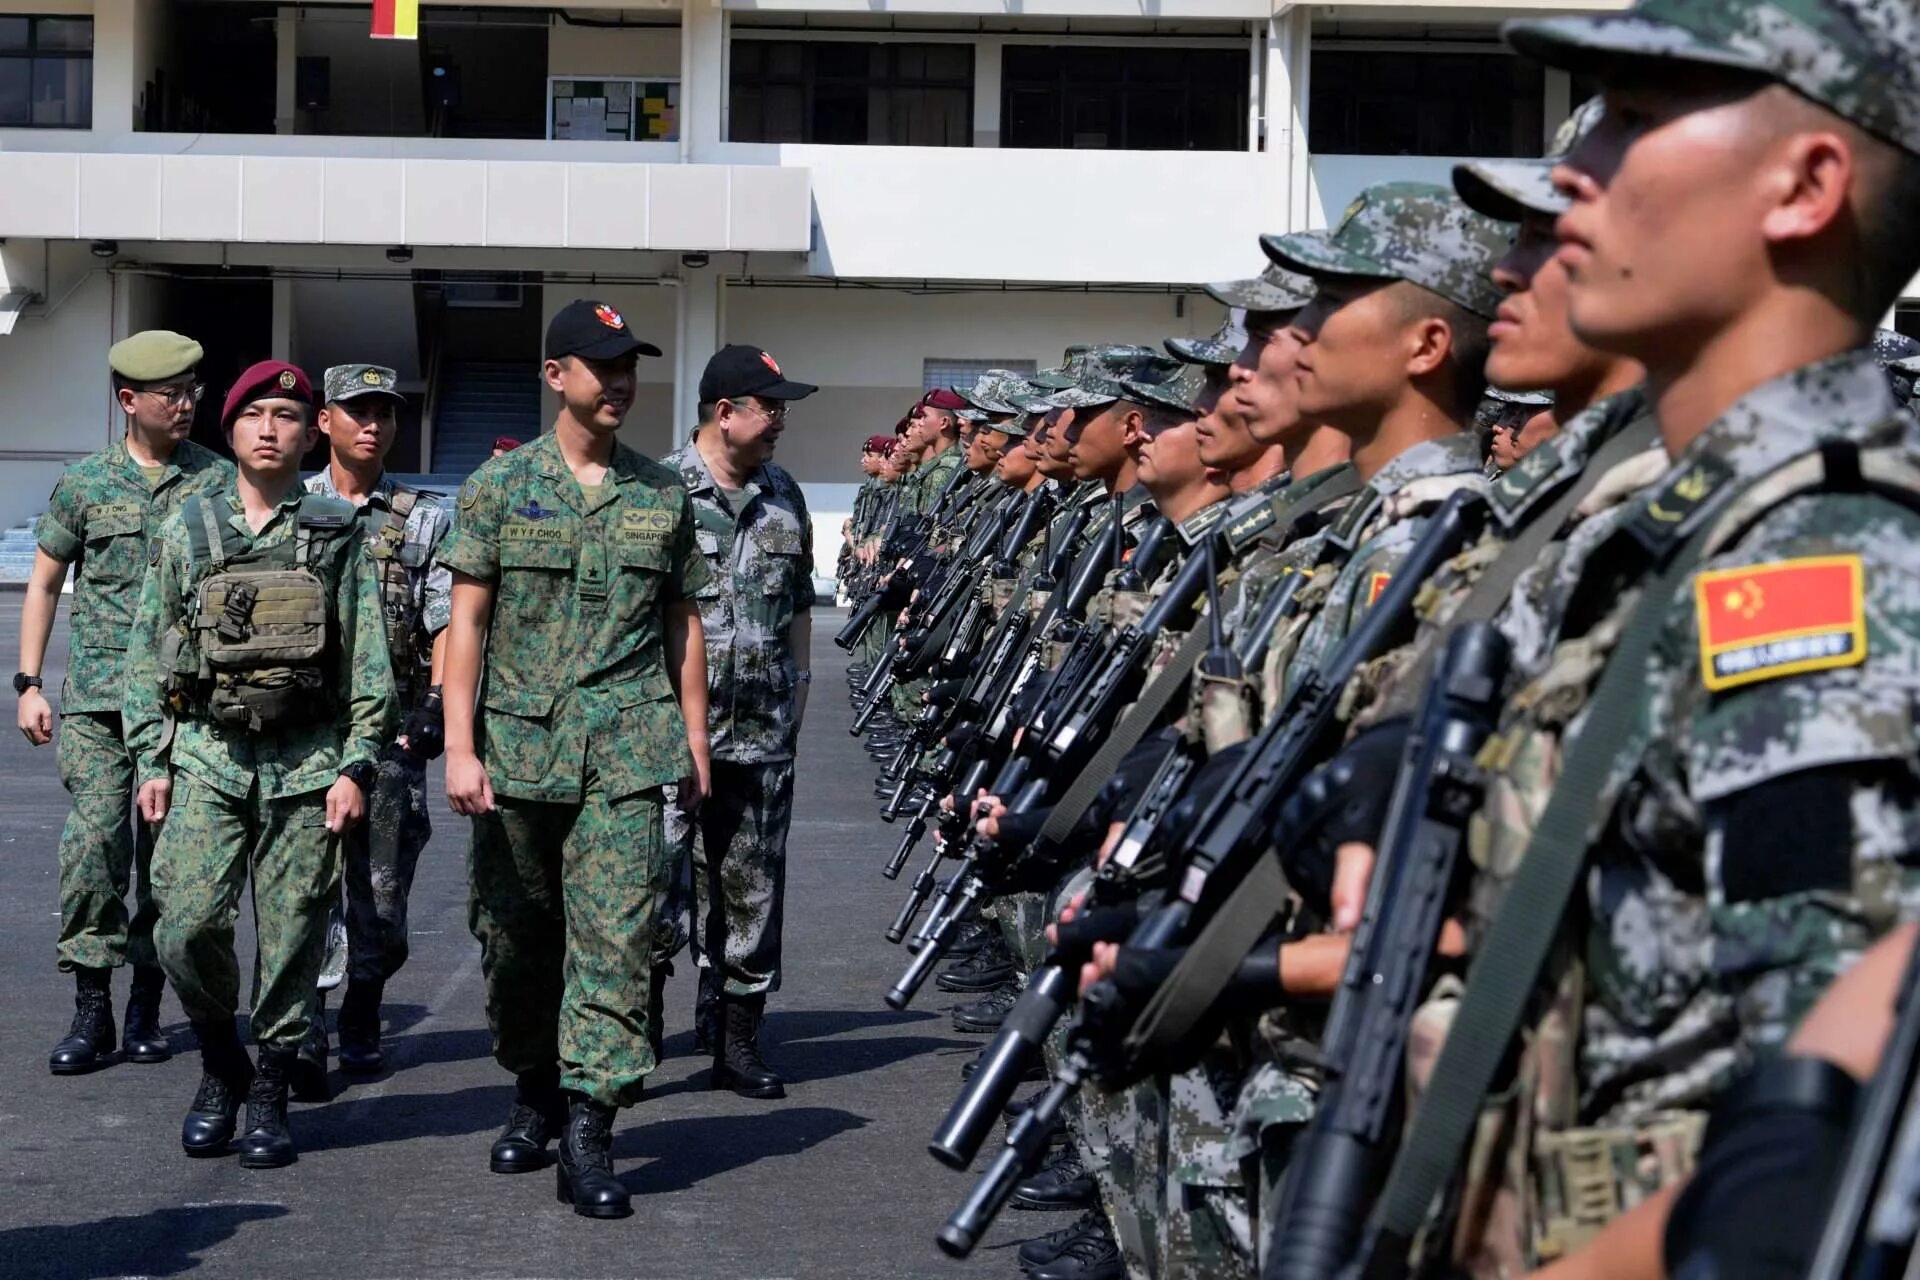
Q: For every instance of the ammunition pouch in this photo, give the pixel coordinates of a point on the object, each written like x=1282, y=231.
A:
x=1585, y=1178
x=260, y=634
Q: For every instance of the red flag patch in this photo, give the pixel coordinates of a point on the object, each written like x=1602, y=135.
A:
x=1763, y=621
x=1375, y=585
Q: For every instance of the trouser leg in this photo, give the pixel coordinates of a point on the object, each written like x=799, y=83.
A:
x=740, y=874
x=296, y=880
x=199, y=870
x=381, y=855
x=102, y=845
x=514, y=910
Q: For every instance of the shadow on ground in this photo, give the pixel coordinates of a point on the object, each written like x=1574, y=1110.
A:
x=684, y=1153
x=165, y=1242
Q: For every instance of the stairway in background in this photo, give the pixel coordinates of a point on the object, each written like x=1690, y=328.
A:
x=481, y=399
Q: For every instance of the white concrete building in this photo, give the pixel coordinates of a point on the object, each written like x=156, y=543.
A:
x=882, y=193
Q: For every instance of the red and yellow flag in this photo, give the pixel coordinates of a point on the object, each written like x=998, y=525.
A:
x=396, y=19
x=1767, y=620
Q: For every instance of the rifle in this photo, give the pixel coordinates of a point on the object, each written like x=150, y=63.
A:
x=1232, y=835
x=1336, y=1167
x=1871, y=1223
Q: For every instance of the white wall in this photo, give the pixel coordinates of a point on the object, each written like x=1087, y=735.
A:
x=1338, y=179
x=58, y=404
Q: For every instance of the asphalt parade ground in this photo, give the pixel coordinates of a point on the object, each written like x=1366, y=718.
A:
x=392, y=1176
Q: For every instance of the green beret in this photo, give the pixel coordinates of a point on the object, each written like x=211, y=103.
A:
x=154, y=355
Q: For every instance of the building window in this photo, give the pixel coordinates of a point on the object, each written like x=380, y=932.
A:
x=620, y=109
x=1127, y=99
x=839, y=91
x=935, y=372
x=1381, y=103
x=46, y=73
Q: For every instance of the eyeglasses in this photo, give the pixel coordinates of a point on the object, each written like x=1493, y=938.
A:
x=772, y=413
x=178, y=395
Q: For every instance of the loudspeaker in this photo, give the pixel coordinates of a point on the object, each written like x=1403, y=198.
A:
x=443, y=84
x=313, y=83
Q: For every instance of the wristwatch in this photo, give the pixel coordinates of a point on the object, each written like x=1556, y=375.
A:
x=23, y=682
x=362, y=773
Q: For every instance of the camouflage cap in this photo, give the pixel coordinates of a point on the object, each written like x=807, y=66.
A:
x=969, y=415
x=1183, y=391
x=344, y=382
x=1903, y=375
x=1275, y=289
x=1890, y=346
x=1412, y=231
x=1064, y=374
x=153, y=355
x=1511, y=189
x=1107, y=370
x=991, y=389
x=1223, y=348
x=1859, y=59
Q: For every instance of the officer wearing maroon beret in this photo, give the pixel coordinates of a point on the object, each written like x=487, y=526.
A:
x=258, y=696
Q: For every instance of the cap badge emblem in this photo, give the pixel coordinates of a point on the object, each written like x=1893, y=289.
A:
x=371, y=378
x=288, y=380
x=767, y=360
x=609, y=317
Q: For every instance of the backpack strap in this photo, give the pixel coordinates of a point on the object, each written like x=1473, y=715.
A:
x=204, y=540
x=318, y=516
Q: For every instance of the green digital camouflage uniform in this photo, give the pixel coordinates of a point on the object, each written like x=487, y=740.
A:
x=759, y=563
x=1702, y=939
x=381, y=853
x=579, y=732
x=921, y=498
x=100, y=520
x=254, y=804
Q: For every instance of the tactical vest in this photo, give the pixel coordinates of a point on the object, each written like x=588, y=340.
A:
x=251, y=654
x=387, y=545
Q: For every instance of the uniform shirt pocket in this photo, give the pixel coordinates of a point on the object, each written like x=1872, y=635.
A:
x=518, y=727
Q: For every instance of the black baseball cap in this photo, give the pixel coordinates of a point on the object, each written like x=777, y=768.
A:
x=595, y=330
x=736, y=371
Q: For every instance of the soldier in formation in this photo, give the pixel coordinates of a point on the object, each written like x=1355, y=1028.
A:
x=1586, y=777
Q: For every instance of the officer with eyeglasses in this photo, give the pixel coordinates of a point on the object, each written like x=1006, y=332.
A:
x=99, y=523
x=753, y=530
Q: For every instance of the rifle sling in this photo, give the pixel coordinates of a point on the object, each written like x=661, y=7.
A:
x=1523, y=932
x=1126, y=735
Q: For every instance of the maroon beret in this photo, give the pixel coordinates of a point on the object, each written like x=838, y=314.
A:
x=506, y=444
x=943, y=398
x=878, y=444
x=268, y=380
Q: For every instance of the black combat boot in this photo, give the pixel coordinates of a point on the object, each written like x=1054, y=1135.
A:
x=307, y=1076
x=90, y=1040
x=539, y=1113
x=1041, y=1250
x=585, y=1177
x=225, y=1076
x=144, y=1041
x=359, y=1027
x=706, y=1013
x=985, y=970
x=1091, y=1255
x=1063, y=1184
x=738, y=1065
x=984, y=1016
x=267, y=1142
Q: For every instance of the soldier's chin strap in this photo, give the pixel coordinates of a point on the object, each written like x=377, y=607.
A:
x=1523, y=933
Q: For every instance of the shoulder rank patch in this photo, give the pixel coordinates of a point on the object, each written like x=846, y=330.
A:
x=1376, y=583
x=1763, y=621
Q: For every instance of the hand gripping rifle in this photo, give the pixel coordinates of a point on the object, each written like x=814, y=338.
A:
x=1336, y=1168
x=1231, y=838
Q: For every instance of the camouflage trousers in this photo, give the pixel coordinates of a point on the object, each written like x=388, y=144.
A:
x=209, y=845
x=380, y=855
x=564, y=901
x=1122, y=1138
x=106, y=851
x=736, y=846
x=1276, y=1103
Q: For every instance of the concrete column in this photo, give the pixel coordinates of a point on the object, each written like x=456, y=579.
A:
x=283, y=328
x=698, y=304
x=986, y=91
x=703, y=88
x=286, y=68
x=117, y=77
x=1288, y=82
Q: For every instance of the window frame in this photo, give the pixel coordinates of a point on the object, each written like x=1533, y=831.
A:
x=1349, y=48
x=34, y=54
x=808, y=81
x=1120, y=95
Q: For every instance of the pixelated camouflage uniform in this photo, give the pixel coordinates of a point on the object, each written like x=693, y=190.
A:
x=579, y=731
x=101, y=519
x=254, y=804
x=416, y=598
x=1711, y=920
x=759, y=562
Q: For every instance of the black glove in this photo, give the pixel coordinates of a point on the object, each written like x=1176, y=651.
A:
x=1343, y=800
x=1075, y=937
x=426, y=727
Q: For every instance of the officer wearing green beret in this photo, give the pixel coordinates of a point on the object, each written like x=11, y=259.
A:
x=103, y=512
x=403, y=528
x=258, y=697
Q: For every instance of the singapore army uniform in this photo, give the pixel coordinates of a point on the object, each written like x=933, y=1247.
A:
x=249, y=798
x=579, y=730
x=104, y=512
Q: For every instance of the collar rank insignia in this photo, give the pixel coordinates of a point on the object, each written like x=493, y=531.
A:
x=1761, y=621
